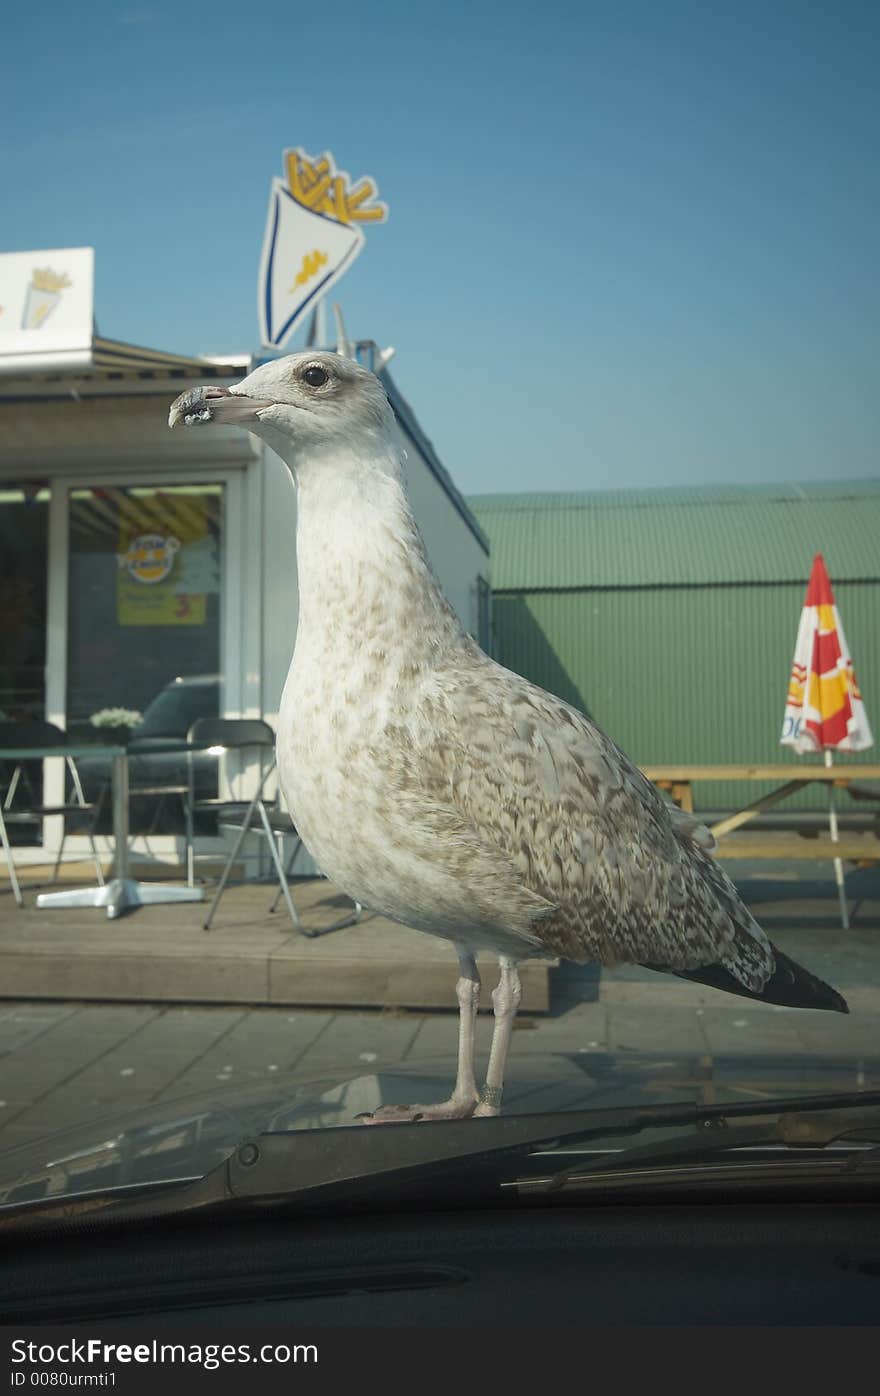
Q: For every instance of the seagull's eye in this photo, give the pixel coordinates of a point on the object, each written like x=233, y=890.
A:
x=315, y=377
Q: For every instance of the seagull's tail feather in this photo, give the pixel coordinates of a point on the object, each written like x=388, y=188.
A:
x=790, y=985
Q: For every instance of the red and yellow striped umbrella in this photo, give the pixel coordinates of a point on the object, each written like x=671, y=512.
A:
x=824, y=710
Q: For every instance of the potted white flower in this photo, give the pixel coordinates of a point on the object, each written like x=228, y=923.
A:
x=115, y=725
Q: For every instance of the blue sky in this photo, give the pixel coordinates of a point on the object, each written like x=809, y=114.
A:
x=629, y=243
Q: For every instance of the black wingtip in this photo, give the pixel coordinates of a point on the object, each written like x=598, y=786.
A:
x=795, y=987
x=789, y=986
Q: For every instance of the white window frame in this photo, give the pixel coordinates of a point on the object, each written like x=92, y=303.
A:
x=239, y=620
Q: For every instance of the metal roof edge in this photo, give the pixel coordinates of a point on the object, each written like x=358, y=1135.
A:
x=410, y=424
x=728, y=584
x=114, y=368
x=659, y=496
x=713, y=537
x=113, y=352
x=365, y=351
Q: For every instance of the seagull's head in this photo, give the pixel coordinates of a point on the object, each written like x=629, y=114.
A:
x=303, y=403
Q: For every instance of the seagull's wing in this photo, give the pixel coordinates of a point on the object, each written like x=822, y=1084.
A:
x=627, y=875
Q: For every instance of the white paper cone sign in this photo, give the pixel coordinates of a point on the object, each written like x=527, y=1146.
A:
x=313, y=235
x=38, y=306
x=304, y=253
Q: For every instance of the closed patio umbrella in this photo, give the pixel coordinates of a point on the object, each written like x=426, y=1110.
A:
x=824, y=710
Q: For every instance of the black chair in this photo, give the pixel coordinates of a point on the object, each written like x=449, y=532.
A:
x=21, y=806
x=258, y=815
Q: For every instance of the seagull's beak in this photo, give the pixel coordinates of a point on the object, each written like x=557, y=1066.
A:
x=222, y=405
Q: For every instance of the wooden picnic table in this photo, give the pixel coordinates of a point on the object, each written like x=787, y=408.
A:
x=679, y=781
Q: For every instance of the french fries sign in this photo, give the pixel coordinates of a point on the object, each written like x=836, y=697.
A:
x=46, y=308
x=314, y=231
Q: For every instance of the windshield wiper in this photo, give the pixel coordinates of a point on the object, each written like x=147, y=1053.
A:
x=806, y=1132
x=380, y=1162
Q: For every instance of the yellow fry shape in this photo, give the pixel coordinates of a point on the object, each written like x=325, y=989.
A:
x=294, y=182
x=335, y=204
x=315, y=196
x=311, y=172
x=44, y=279
x=307, y=190
x=361, y=192
x=367, y=215
x=315, y=185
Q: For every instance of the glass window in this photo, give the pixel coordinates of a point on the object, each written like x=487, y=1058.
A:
x=144, y=593
x=144, y=608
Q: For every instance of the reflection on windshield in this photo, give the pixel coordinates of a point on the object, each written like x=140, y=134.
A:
x=187, y=1138
x=176, y=1142
x=173, y=711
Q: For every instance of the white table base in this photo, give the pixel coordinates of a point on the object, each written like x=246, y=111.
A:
x=120, y=894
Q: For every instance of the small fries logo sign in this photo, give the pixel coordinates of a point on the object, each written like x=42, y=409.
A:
x=43, y=294
x=150, y=557
x=46, y=307
x=313, y=233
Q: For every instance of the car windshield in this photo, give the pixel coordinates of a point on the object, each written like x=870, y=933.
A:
x=504, y=510
x=174, y=710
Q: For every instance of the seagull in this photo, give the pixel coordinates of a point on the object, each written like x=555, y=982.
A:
x=444, y=791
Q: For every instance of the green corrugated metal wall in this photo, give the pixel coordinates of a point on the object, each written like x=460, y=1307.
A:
x=690, y=674
x=681, y=536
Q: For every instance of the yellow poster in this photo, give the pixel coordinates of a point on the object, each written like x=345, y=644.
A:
x=166, y=561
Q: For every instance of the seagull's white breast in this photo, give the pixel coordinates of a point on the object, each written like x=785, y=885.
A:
x=372, y=626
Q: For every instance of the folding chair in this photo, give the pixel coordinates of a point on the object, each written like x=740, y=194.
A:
x=254, y=815
x=257, y=816
x=282, y=824
x=32, y=811
x=156, y=790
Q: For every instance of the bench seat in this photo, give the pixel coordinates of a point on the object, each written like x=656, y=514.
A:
x=854, y=848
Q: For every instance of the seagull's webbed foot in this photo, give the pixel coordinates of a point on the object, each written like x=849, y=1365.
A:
x=465, y=1098
x=456, y=1108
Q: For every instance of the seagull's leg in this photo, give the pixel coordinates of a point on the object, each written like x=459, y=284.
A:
x=464, y=1097
x=505, y=1000
x=465, y=1094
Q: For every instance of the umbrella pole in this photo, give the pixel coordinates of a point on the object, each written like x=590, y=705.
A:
x=838, y=862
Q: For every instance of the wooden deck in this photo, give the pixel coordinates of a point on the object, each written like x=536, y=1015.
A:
x=161, y=954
